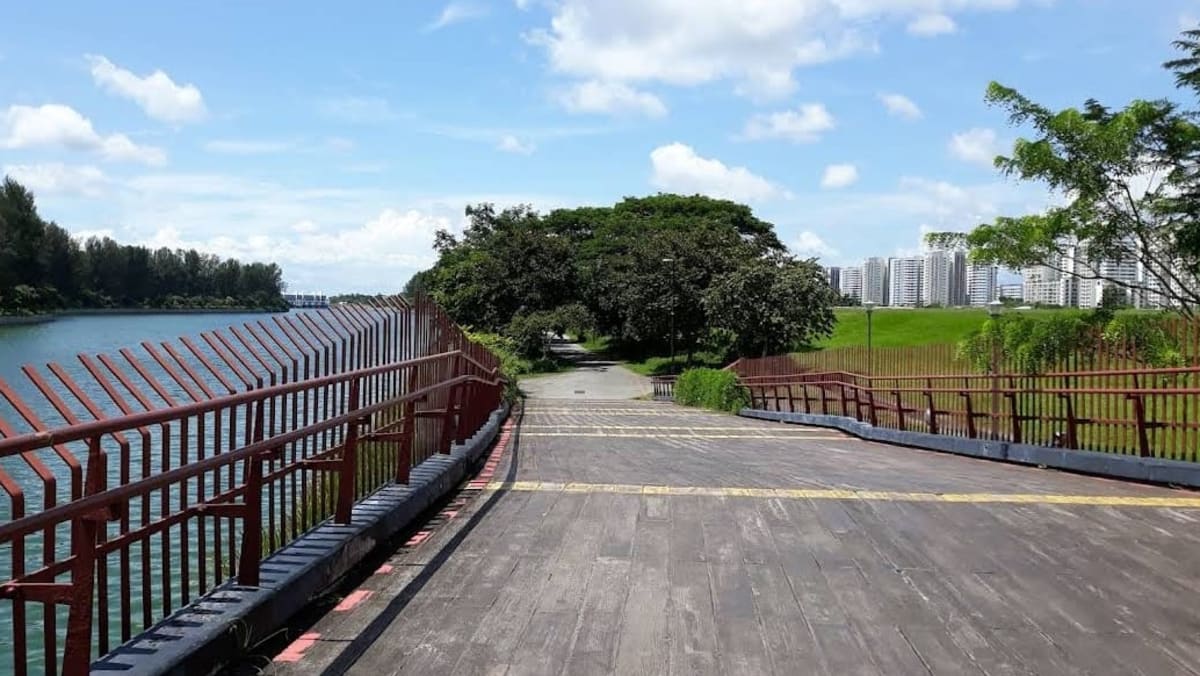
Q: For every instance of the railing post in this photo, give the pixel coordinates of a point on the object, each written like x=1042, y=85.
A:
x=900, y=410
x=874, y=417
x=971, y=433
x=1012, y=407
x=77, y=651
x=1139, y=414
x=807, y=404
x=930, y=407
x=251, y=554
x=445, y=441
x=1072, y=423
x=348, y=472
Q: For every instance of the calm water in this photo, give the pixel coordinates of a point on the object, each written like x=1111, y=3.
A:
x=60, y=341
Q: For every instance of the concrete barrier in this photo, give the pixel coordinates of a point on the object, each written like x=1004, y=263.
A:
x=1152, y=470
x=219, y=627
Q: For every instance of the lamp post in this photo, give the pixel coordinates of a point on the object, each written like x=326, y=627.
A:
x=672, y=311
x=870, y=307
x=994, y=309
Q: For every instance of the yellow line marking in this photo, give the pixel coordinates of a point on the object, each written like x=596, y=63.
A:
x=847, y=494
x=744, y=428
x=620, y=411
x=680, y=436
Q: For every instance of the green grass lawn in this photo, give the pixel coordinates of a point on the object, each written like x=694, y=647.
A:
x=896, y=327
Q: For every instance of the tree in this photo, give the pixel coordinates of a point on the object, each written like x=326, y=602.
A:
x=1131, y=182
x=771, y=305
x=42, y=267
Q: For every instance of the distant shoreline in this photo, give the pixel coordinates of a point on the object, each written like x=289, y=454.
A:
x=23, y=320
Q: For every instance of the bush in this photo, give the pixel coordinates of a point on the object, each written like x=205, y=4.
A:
x=711, y=388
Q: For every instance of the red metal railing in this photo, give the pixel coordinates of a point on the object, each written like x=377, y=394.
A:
x=137, y=482
x=1144, y=412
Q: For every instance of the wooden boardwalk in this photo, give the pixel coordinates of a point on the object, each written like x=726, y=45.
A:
x=639, y=538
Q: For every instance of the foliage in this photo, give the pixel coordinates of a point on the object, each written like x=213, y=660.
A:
x=1036, y=344
x=43, y=268
x=636, y=271
x=768, y=305
x=1145, y=337
x=1132, y=182
x=530, y=333
x=714, y=389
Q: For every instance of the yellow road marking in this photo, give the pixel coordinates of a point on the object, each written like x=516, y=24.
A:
x=704, y=428
x=620, y=411
x=846, y=494
x=677, y=435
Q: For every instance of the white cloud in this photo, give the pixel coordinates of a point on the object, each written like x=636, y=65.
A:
x=809, y=244
x=512, y=144
x=247, y=147
x=929, y=25
x=1188, y=21
x=900, y=105
x=611, y=98
x=156, y=94
x=839, y=176
x=58, y=178
x=977, y=146
x=677, y=168
x=755, y=45
x=56, y=125
x=804, y=125
x=456, y=12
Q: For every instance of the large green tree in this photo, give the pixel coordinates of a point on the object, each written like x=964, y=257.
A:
x=1130, y=186
x=770, y=305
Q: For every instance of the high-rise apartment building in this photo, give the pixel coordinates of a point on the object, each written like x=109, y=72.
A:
x=851, y=283
x=875, y=281
x=981, y=283
x=958, y=278
x=833, y=275
x=935, y=278
x=1014, y=291
x=905, y=281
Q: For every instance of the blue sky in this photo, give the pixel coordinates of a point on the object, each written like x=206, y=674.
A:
x=336, y=140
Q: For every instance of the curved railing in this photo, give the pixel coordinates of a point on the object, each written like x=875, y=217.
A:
x=1145, y=412
x=220, y=452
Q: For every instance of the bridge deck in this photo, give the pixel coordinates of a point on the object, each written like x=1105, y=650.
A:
x=630, y=537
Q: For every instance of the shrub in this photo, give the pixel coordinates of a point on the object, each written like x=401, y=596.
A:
x=711, y=388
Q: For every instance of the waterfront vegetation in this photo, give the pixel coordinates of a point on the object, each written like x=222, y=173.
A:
x=43, y=269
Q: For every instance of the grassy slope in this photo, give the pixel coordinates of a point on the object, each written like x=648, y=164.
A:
x=896, y=327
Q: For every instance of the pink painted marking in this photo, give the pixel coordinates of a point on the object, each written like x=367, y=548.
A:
x=353, y=599
x=451, y=514
x=295, y=651
x=384, y=569
x=418, y=538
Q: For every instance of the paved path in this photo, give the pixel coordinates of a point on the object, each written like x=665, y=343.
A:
x=642, y=538
x=593, y=378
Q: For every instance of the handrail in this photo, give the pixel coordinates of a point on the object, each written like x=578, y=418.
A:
x=224, y=450
x=39, y=520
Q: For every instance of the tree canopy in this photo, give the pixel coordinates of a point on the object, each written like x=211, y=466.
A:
x=1129, y=181
x=43, y=268
x=638, y=271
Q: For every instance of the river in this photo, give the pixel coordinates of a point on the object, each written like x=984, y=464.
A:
x=60, y=341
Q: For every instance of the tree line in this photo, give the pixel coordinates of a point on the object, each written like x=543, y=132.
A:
x=651, y=272
x=43, y=268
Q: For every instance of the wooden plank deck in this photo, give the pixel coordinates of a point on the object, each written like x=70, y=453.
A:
x=639, y=538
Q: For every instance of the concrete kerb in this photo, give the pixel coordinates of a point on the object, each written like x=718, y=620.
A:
x=1153, y=470
x=221, y=626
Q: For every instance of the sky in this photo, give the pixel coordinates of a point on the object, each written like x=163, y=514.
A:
x=336, y=140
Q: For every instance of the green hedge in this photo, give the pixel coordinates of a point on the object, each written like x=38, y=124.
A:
x=711, y=388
